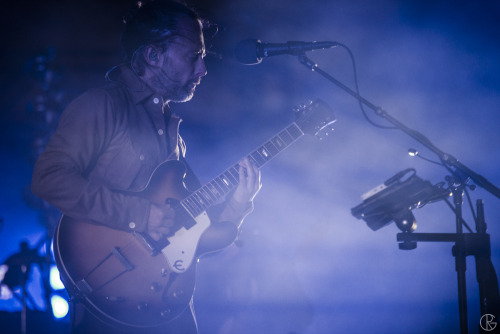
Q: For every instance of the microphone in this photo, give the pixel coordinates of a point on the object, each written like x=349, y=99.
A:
x=251, y=51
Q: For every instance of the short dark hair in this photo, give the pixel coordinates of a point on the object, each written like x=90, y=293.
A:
x=153, y=22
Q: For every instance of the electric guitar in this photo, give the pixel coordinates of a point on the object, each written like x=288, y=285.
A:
x=128, y=279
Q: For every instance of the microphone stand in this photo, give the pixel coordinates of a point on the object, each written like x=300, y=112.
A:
x=464, y=243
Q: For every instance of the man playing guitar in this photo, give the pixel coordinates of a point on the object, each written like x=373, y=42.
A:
x=128, y=241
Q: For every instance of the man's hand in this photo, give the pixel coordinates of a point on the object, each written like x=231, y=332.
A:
x=161, y=220
x=249, y=182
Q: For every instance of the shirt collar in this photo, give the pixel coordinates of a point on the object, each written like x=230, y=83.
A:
x=137, y=88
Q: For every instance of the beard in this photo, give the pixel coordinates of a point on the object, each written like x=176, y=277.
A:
x=182, y=93
x=174, y=90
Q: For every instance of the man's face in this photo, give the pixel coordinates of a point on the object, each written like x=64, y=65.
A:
x=183, y=64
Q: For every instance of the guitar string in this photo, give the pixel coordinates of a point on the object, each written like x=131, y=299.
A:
x=201, y=199
x=283, y=139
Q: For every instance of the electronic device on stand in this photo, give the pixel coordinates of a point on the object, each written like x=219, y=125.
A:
x=465, y=244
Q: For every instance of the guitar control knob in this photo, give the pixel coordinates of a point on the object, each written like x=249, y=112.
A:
x=142, y=306
x=114, y=299
x=166, y=312
x=178, y=293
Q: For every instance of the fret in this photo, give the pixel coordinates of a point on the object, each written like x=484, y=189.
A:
x=294, y=131
x=188, y=208
x=210, y=193
x=199, y=200
x=265, y=153
x=218, y=187
x=232, y=176
x=250, y=157
x=213, y=190
x=259, y=161
x=278, y=143
x=227, y=181
x=193, y=207
x=271, y=148
x=196, y=213
x=207, y=196
x=203, y=200
x=222, y=184
x=286, y=137
x=197, y=208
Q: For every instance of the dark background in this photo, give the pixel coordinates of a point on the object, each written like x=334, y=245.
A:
x=306, y=265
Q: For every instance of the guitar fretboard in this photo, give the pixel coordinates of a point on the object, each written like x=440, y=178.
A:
x=210, y=193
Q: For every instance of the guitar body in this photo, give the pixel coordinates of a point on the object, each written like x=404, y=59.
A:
x=124, y=278
x=128, y=279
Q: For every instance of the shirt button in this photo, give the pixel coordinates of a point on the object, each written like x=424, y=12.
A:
x=160, y=132
x=131, y=225
x=141, y=157
x=156, y=100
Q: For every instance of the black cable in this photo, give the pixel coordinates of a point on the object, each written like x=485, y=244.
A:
x=471, y=206
x=355, y=73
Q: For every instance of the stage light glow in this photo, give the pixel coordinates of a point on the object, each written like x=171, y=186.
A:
x=55, y=279
x=3, y=270
x=52, y=248
x=412, y=152
x=60, y=306
x=5, y=292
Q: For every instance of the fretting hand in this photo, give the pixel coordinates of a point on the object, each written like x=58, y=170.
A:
x=249, y=182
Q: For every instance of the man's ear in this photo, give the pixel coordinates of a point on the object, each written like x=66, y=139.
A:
x=152, y=55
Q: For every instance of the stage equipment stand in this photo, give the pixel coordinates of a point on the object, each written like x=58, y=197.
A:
x=460, y=176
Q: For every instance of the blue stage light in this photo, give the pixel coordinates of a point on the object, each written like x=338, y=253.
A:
x=60, y=306
x=55, y=279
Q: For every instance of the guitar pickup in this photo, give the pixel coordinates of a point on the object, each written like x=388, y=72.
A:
x=153, y=247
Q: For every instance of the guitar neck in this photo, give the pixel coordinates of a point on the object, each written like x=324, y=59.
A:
x=210, y=193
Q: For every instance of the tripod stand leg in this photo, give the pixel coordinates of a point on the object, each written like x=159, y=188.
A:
x=489, y=295
x=460, y=266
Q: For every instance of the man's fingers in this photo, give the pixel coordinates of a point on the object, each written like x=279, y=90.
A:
x=161, y=220
x=250, y=181
x=156, y=236
x=250, y=170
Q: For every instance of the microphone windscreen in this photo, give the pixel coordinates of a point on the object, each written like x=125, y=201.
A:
x=245, y=52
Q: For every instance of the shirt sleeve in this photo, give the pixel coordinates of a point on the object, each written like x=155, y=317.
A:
x=61, y=174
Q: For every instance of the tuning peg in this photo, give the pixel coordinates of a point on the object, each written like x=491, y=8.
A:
x=301, y=108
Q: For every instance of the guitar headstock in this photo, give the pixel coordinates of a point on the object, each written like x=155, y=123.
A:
x=316, y=118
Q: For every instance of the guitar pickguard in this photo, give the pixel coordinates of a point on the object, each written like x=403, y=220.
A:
x=181, y=249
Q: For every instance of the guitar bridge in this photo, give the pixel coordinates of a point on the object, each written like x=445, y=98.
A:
x=123, y=260
x=98, y=276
